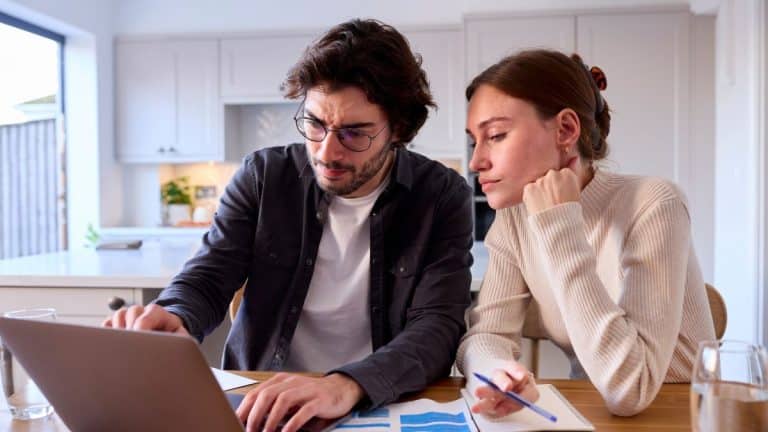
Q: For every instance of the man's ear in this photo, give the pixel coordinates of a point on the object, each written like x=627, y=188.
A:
x=394, y=137
x=568, y=129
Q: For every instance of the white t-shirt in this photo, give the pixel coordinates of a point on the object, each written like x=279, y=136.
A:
x=334, y=328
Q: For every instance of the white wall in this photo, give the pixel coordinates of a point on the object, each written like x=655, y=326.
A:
x=88, y=26
x=763, y=281
x=740, y=167
x=701, y=164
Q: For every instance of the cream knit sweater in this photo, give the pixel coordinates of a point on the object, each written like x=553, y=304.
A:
x=616, y=281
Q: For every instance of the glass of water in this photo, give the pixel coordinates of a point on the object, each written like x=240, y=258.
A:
x=729, y=387
x=24, y=398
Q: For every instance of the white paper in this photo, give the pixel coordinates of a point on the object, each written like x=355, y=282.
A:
x=229, y=381
x=422, y=415
x=526, y=420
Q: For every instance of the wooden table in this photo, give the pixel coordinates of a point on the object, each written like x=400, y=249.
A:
x=669, y=412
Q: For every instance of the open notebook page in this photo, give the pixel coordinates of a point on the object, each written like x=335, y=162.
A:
x=526, y=420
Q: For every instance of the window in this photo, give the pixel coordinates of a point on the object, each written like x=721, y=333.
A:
x=32, y=171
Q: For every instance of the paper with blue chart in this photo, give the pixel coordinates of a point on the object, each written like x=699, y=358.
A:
x=422, y=415
x=425, y=415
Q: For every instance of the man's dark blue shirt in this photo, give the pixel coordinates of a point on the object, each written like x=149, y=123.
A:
x=267, y=230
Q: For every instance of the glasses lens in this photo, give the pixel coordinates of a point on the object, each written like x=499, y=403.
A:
x=311, y=129
x=354, y=139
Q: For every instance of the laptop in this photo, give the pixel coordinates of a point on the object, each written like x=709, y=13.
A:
x=104, y=379
x=101, y=379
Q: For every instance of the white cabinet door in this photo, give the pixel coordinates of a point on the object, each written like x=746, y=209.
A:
x=145, y=112
x=645, y=58
x=252, y=69
x=167, y=101
x=442, y=136
x=489, y=40
x=198, y=133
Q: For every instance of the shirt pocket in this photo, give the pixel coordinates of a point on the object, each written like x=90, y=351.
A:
x=271, y=252
x=273, y=268
x=404, y=274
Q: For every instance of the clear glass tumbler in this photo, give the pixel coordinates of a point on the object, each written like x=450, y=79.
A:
x=729, y=387
x=24, y=398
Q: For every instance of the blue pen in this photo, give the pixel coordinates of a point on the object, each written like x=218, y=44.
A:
x=519, y=399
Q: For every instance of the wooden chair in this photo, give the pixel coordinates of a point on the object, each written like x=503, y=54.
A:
x=533, y=330
x=719, y=312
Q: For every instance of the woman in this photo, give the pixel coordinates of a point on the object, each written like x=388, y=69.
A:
x=606, y=257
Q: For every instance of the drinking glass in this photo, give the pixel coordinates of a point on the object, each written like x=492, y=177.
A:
x=24, y=398
x=729, y=387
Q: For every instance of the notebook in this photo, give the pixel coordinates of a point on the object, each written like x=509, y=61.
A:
x=568, y=418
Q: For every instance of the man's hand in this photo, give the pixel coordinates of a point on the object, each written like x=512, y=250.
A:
x=513, y=377
x=554, y=188
x=152, y=317
x=300, y=397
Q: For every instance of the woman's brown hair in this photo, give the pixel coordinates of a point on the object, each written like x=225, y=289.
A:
x=551, y=82
x=375, y=58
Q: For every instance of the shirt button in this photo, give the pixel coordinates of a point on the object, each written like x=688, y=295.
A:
x=309, y=261
x=294, y=309
x=374, y=214
x=373, y=260
x=402, y=269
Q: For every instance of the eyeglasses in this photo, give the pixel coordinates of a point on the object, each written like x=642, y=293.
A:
x=351, y=138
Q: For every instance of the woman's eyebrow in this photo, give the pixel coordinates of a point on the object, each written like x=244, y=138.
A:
x=486, y=122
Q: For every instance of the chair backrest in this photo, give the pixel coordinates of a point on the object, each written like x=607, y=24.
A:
x=719, y=312
x=533, y=330
x=235, y=304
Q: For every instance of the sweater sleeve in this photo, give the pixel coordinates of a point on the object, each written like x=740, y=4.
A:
x=496, y=321
x=624, y=346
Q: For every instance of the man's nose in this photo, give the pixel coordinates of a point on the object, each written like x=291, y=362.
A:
x=330, y=148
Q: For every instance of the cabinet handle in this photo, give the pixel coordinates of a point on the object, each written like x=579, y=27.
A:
x=161, y=150
x=172, y=150
x=115, y=303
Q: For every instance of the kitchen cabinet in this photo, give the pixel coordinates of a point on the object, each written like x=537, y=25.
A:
x=646, y=61
x=167, y=103
x=442, y=53
x=489, y=40
x=253, y=68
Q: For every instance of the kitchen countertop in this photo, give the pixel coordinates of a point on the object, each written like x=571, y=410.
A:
x=151, y=266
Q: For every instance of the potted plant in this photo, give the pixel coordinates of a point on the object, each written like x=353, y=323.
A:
x=177, y=200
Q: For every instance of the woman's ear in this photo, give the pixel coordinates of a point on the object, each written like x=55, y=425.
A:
x=568, y=129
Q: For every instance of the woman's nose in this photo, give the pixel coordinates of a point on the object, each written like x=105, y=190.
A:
x=479, y=161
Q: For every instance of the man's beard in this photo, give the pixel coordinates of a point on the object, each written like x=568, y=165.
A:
x=369, y=170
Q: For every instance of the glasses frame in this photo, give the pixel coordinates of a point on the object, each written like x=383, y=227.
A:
x=297, y=119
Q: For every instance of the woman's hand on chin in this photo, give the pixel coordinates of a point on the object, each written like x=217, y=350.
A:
x=554, y=188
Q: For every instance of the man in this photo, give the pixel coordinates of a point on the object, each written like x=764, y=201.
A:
x=355, y=250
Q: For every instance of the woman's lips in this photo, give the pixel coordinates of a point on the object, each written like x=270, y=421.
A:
x=487, y=185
